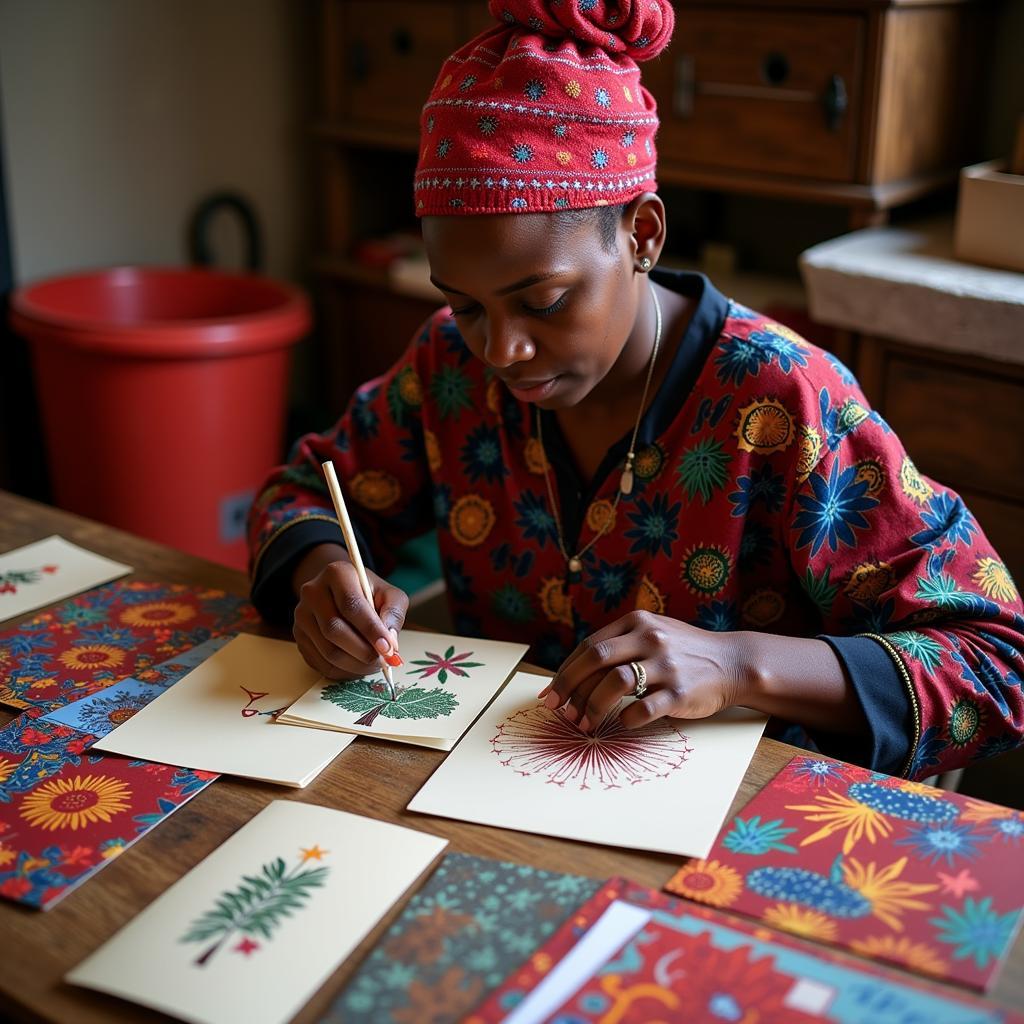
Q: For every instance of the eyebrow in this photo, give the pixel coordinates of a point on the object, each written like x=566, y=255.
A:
x=516, y=286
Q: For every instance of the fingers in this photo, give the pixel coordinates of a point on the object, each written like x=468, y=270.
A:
x=654, y=705
x=340, y=632
x=312, y=656
x=391, y=605
x=597, y=658
x=358, y=629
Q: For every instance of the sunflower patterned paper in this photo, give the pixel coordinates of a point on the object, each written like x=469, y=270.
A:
x=924, y=879
x=65, y=811
x=473, y=922
x=767, y=496
x=75, y=649
x=693, y=964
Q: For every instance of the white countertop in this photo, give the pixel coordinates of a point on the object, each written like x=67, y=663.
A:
x=904, y=283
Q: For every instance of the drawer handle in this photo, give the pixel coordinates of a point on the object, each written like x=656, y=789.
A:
x=835, y=102
x=775, y=68
x=401, y=41
x=684, y=86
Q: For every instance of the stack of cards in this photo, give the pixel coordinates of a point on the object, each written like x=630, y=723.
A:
x=443, y=685
x=221, y=718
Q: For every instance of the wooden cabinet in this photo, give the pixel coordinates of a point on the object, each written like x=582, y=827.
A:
x=862, y=104
x=763, y=92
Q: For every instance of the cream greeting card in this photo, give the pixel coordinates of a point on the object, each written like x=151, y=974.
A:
x=439, y=690
x=666, y=787
x=221, y=717
x=50, y=570
x=252, y=931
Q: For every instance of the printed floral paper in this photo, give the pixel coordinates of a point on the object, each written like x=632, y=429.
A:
x=896, y=871
x=66, y=811
x=49, y=570
x=113, y=706
x=691, y=963
x=472, y=923
x=123, y=629
x=253, y=930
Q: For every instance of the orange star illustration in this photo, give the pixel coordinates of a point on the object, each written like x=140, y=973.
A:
x=313, y=853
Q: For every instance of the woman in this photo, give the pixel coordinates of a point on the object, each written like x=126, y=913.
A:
x=670, y=497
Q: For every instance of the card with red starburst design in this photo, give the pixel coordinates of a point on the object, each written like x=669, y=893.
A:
x=922, y=878
x=77, y=648
x=66, y=811
x=691, y=963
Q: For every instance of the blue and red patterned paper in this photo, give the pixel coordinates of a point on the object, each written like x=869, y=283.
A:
x=76, y=648
x=66, y=812
x=895, y=871
x=693, y=964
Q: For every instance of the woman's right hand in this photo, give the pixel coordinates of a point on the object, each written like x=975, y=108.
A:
x=338, y=631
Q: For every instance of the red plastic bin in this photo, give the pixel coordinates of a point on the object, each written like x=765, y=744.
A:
x=162, y=394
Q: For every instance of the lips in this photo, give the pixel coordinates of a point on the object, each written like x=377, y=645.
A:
x=533, y=390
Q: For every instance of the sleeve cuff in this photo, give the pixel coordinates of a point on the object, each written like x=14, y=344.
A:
x=887, y=708
x=271, y=586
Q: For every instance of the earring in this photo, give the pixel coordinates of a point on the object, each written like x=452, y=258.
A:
x=645, y=264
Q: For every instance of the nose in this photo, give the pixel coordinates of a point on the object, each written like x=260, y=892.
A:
x=505, y=343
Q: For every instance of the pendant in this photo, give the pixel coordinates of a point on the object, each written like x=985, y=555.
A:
x=575, y=565
x=626, y=481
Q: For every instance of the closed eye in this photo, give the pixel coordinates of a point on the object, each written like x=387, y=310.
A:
x=555, y=306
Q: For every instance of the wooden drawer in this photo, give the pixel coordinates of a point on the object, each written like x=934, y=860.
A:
x=393, y=50
x=960, y=427
x=748, y=91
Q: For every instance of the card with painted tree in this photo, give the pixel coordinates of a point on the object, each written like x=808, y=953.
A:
x=222, y=717
x=252, y=931
x=50, y=570
x=440, y=689
x=666, y=787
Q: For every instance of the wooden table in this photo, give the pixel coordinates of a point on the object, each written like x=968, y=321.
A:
x=376, y=779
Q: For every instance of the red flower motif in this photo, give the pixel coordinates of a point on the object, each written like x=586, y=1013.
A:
x=49, y=568
x=76, y=856
x=15, y=888
x=8, y=588
x=34, y=738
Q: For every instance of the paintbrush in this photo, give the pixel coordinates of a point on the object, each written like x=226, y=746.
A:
x=353, y=553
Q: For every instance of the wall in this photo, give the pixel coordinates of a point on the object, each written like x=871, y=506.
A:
x=120, y=114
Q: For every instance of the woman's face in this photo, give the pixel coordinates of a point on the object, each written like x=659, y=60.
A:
x=539, y=298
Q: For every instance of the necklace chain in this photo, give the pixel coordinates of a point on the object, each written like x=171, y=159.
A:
x=574, y=562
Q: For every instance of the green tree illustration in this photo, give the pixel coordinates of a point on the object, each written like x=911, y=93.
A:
x=370, y=698
x=256, y=906
x=13, y=578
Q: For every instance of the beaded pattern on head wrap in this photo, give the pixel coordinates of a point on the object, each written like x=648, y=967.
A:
x=545, y=111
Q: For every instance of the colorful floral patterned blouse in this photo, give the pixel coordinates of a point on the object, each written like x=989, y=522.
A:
x=768, y=496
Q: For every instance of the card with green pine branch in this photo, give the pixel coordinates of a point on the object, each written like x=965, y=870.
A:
x=441, y=687
x=252, y=931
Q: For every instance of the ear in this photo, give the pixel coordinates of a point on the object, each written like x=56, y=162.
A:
x=644, y=221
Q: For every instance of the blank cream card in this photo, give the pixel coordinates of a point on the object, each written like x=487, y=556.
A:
x=252, y=931
x=221, y=717
x=50, y=570
x=442, y=686
x=666, y=787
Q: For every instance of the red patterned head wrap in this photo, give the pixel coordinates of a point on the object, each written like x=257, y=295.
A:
x=545, y=111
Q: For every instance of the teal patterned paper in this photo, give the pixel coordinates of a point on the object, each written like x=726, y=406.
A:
x=471, y=925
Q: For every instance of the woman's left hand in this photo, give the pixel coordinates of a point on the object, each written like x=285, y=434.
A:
x=691, y=672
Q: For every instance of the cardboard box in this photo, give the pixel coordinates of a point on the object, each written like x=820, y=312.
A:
x=990, y=216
